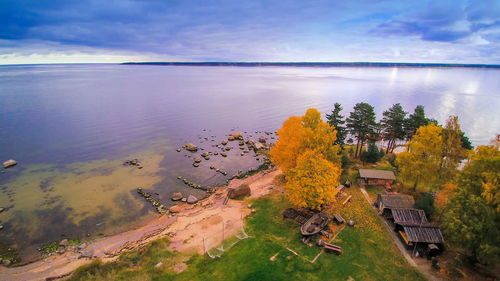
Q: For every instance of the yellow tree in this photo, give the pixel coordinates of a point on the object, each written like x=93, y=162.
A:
x=285, y=151
x=421, y=164
x=453, y=152
x=472, y=215
x=301, y=133
x=313, y=182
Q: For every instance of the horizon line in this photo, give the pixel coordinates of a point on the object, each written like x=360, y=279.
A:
x=312, y=64
x=277, y=63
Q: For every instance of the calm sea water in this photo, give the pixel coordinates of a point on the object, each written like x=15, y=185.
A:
x=71, y=126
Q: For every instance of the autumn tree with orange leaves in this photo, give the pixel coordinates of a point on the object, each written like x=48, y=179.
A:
x=300, y=133
x=306, y=153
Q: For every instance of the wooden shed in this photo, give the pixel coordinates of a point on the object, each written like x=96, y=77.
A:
x=423, y=234
x=386, y=202
x=415, y=230
x=377, y=177
x=408, y=215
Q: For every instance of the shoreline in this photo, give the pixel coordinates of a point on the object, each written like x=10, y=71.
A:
x=194, y=229
x=319, y=64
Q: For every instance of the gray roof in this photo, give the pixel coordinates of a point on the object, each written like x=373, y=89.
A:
x=396, y=200
x=423, y=234
x=376, y=174
x=409, y=215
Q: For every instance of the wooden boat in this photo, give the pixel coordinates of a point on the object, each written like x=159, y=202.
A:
x=315, y=224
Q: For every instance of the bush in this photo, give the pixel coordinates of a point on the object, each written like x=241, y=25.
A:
x=425, y=202
x=371, y=155
x=345, y=162
x=391, y=158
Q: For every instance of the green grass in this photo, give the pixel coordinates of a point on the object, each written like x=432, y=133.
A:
x=52, y=247
x=374, y=191
x=369, y=253
x=49, y=248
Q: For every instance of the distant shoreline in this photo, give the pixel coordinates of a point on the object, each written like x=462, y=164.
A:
x=320, y=64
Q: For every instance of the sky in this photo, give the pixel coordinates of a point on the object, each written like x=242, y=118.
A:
x=95, y=31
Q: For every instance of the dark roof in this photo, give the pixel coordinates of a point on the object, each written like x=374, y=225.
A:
x=423, y=234
x=376, y=174
x=396, y=200
x=409, y=215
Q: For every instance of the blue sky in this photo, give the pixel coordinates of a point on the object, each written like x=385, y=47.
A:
x=33, y=31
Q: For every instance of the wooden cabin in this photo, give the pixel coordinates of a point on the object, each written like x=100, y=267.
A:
x=424, y=235
x=386, y=202
x=377, y=177
x=408, y=215
x=416, y=231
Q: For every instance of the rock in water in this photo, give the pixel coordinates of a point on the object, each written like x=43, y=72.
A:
x=242, y=190
x=262, y=140
x=176, y=196
x=64, y=243
x=9, y=163
x=259, y=146
x=192, y=199
x=236, y=136
x=191, y=147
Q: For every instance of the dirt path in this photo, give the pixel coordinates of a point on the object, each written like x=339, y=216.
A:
x=196, y=228
x=421, y=267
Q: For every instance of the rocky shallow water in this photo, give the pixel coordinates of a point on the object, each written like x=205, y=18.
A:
x=43, y=204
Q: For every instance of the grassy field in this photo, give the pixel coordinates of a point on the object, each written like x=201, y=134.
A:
x=369, y=253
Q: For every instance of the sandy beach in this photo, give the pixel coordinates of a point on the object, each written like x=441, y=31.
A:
x=195, y=229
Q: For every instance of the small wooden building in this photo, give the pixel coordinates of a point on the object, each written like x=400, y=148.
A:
x=416, y=231
x=386, y=202
x=424, y=234
x=408, y=215
x=377, y=177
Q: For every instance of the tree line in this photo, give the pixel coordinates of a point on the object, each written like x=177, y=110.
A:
x=396, y=125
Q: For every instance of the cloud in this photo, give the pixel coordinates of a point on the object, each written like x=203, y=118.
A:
x=455, y=22
x=227, y=30
x=39, y=52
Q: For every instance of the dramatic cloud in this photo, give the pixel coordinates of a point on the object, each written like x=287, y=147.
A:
x=261, y=30
x=475, y=22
